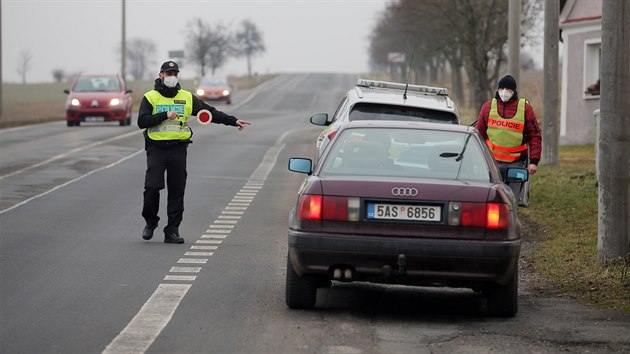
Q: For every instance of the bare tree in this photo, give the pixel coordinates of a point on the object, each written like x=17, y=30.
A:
x=221, y=46
x=140, y=52
x=249, y=42
x=24, y=64
x=58, y=75
x=210, y=46
x=198, y=43
x=469, y=34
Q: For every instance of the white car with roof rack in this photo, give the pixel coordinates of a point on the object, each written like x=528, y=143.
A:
x=382, y=100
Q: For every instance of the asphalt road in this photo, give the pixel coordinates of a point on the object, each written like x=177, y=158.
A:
x=77, y=278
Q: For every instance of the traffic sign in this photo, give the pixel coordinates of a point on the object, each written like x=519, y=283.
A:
x=395, y=57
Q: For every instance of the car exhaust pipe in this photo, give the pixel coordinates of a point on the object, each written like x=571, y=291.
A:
x=347, y=274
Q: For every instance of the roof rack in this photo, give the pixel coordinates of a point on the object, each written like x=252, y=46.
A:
x=398, y=86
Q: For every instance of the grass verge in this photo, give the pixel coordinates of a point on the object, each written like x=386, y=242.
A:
x=562, y=222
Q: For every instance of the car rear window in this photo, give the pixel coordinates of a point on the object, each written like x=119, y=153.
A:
x=367, y=111
x=412, y=153
x=214, y=82
x=97, y=84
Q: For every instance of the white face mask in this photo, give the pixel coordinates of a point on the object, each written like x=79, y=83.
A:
x=170, y=81
x=505, y=95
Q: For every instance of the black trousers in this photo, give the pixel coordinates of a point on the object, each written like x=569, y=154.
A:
x=516, y=187
x=173, y=162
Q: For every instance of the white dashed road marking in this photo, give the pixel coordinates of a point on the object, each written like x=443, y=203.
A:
x=149, y=322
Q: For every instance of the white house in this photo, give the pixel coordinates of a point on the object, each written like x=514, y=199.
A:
x=580, y=25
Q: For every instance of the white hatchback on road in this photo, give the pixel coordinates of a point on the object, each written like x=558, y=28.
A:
x=382, y=100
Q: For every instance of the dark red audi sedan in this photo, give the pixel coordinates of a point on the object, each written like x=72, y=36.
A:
x=98, y=97
x=405, y=203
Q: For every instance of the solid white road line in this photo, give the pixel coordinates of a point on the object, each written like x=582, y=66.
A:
x=149, y=322
x=75, y=150
x=73, y=180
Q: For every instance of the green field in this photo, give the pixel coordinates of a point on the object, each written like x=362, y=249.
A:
x=37, y=103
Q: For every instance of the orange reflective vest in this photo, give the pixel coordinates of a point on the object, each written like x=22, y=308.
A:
x=505, y=136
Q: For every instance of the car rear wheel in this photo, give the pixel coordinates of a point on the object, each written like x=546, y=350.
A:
x=503, y=299
x=301, y=292
x=73, y=124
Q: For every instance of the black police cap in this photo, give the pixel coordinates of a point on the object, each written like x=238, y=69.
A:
x=169, y=66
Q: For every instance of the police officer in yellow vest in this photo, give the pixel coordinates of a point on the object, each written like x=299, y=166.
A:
x=510, y=127
x=163, y=114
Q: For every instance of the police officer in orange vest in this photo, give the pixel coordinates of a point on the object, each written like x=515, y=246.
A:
x=509, y=127
x=163, y=114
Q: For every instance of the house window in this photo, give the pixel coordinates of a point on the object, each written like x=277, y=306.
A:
x=592, y=67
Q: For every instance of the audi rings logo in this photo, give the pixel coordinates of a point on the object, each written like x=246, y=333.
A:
x=404, y=192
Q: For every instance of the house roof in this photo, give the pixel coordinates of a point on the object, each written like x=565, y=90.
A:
x=575, y=11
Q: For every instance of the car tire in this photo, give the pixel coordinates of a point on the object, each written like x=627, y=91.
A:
x=301, y=292
x=503, y=299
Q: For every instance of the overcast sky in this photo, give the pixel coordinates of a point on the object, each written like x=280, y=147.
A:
x=83, y=35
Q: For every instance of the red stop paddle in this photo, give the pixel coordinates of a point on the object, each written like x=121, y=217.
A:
x=204, y=117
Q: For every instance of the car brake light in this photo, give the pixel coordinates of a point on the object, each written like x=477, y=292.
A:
x=310, y=207
x=488, y=215
x=317, y=207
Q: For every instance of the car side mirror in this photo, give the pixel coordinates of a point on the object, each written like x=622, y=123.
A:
x=128, y=91
x=320, y=119
x=66, y=91
x=301, y=165
x=517, y=175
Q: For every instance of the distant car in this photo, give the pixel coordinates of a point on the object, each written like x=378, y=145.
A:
x=405, y=203
x=382, y=100
x=98, y=97
x=214, y=89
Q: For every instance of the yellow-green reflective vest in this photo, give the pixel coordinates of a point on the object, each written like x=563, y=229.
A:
x=171, y=129
x=505, y=135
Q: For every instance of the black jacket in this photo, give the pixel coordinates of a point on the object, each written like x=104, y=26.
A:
x=147, y=119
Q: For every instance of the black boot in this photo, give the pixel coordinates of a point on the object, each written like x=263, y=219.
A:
x=173, y=238
x=147, y=233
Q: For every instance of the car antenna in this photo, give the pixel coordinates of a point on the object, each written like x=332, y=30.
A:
x=408, y=72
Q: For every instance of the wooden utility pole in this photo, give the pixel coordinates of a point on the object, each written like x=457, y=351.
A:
x=1, y=82
x=514, y=39
x=551, y=131
x=123, y=43
x=614, y=137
